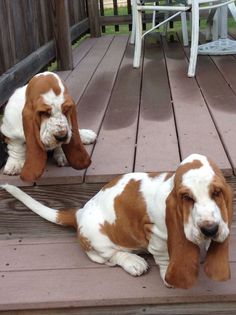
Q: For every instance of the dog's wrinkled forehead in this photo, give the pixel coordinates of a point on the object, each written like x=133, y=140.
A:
x=49, y=86
x=195, y=173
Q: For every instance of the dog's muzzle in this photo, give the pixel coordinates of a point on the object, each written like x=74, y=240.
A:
x=209, y=229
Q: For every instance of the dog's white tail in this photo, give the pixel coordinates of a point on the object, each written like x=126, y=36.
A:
x=61, y=217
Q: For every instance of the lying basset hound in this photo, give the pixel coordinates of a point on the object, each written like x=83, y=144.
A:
x=169, y=215
x=39, y=117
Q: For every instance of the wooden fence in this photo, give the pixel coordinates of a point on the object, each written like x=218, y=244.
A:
x=116, y=18
x=34, y=32
x=27, y=30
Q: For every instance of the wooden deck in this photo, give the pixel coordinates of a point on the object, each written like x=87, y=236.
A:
x=147, y=120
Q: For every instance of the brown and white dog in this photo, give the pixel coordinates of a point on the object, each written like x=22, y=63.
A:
x=169, y=215
x=39, y=117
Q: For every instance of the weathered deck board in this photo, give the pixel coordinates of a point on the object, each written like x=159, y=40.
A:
x=117, y=137
x=62, y=288
x=78, y=54
x=196, y=131
x=17, y=222
x=147, y=119
x=81, y=75
x=153, y=116
x=63, y=254
x=222, y=103
x=157, y=143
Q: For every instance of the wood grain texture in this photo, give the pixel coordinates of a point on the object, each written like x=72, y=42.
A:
x=157, y=143
x=17, y=222
x=63, y=288
x=191, y=111
x=61, y=30
x=114, y=153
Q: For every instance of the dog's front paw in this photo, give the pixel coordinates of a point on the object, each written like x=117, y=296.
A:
x=13, y=166
x=60, y=157
x=135, y=265
x=87, y=136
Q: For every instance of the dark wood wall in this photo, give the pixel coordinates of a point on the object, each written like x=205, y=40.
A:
x=27, y=30
x=26, y=25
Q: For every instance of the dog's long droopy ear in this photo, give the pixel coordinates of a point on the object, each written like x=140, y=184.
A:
x=75, y=151
x=216, y=264
x=183, y=267
x=36, y=156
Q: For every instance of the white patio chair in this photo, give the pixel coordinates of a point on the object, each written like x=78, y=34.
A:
x=154, y=26
x=177, y=8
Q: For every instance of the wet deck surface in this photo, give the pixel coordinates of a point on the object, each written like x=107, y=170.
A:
x=147, y=120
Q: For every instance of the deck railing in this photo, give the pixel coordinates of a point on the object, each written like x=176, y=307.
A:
x=28, y=30
x=33, y=33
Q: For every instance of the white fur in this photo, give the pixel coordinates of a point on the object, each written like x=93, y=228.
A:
x=154, y=190
x=100, y=209
x=43, y=211
x=57, y=123
x=87, y=136
x=204, y=209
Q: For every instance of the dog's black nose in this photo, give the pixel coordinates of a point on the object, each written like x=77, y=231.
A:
x=209, y=230
x=61, y=138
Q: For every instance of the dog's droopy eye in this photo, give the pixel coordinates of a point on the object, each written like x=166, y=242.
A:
x=66, y=108
x=216, y=193
x=45, y=114
x=187, y=197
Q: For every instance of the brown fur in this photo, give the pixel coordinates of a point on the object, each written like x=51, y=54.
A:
x=36, y=156
x=33, y=113
x=183, y=267
x=84, y=242
x=216, y=265
x=184, y=256
x=112, y=183
x=75, y=151
x=132, y=228
x=67, y=217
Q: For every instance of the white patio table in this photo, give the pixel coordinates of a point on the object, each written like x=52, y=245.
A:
x=223, y=45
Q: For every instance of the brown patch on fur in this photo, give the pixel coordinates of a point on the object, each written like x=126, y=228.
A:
x=75, y=151
x=67, y=217
x=216, y=265
x=84, y=242
x=35, y=110
x=168, y=176
x=132, y=228
x=225, y=198
x=183, y=267
x=153, y=174
x=112, y=183
x=41, y=84
x=36, y=155
x=184, y=168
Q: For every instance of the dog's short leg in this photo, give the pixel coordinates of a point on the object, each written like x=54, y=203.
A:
x=16, y=159
x=87, y=136
x=132, y=263
x=163, y=262
x=59, y=157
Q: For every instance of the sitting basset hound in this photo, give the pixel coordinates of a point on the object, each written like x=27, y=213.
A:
x=169, y=215
x=39, y=117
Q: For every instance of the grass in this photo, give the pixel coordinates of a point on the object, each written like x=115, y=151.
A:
x=124, y=29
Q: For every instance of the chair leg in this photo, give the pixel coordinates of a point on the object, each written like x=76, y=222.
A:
x=134, y=10
x=184, y=28
x=194, y=39
x=138, y=39
x=232, y=9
